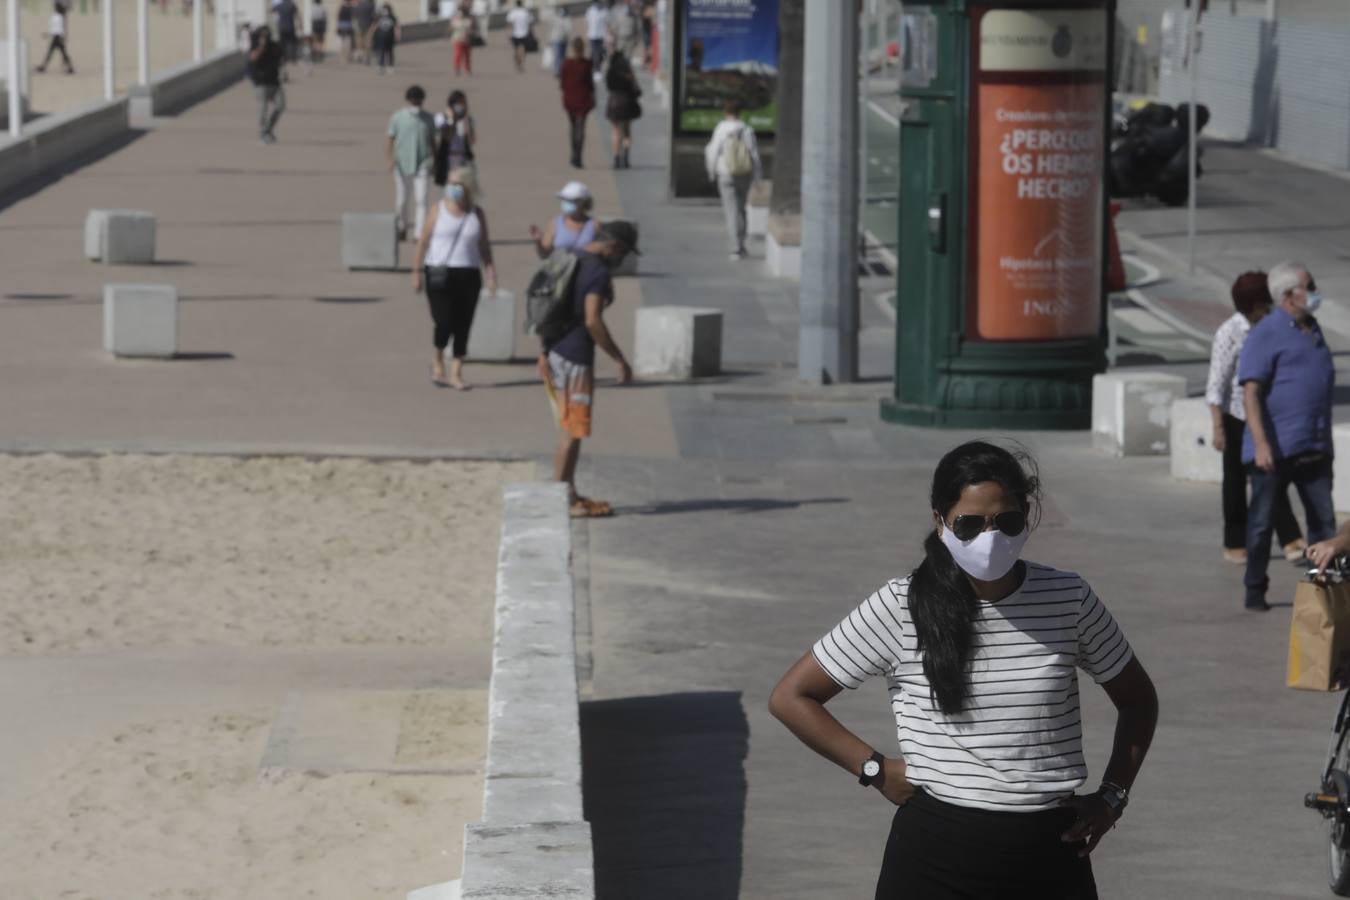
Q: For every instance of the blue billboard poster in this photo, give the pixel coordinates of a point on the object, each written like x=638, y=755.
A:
x=729, y=49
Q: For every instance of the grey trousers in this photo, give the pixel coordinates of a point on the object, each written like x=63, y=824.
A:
x=271, y=104
x=735, y=191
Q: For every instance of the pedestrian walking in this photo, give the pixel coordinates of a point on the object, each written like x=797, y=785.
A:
x=409, y=152
x=56, y=34
x=365, y=27
x=567, y=364
x=1287, y=379
x=574, y=229
x=1252, y=300
x=319, y=29
x=264, y=69
x=345, y=30
x=286, y=13
x=385, y=36
x=454, y=259
x=623, y=107
x=521, y=21
x=456, y=133
x=462, y=27
x=732, y=160
x=578, y=96
x=560, y=31
x=979, y=649
x=623, y=24
x=597, y=30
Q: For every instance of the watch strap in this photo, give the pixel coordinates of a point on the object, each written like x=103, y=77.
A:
x=863, y=778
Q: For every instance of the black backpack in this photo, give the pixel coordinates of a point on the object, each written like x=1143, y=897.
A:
x=550, y=308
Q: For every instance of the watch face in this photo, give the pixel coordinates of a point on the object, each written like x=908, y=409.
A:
x=871, y=768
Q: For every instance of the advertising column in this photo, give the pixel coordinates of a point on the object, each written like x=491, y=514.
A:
x=1036, y=204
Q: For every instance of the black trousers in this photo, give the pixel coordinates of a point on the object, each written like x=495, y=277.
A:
x=1235, y=494
x=578, y=136
x=58, y=44
x=452, y=308
x=940, y=851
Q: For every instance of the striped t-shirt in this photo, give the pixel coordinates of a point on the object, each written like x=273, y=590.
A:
x=1018, y=743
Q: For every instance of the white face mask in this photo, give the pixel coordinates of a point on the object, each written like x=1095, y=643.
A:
x=989, y=555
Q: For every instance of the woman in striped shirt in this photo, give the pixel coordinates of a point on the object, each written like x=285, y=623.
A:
x=979, y=651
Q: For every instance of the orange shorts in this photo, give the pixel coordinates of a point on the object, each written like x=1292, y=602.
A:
x=572, y=392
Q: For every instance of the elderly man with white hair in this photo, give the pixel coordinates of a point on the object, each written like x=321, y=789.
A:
x=1287, y=378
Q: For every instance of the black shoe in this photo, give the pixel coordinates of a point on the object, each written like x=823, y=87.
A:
x=1257, y=607
x=626, y=163
x=618, y=161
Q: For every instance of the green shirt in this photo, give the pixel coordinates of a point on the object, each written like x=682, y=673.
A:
x=412, y=128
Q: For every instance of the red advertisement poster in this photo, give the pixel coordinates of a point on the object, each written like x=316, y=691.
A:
x=1039, y=212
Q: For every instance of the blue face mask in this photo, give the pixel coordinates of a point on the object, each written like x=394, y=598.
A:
x=569, y=207
x=1314, y=302
x=455, y=192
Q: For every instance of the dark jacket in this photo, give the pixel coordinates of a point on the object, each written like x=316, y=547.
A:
x=578, y=90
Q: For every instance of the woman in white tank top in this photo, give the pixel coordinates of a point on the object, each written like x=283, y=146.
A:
x=453, y=260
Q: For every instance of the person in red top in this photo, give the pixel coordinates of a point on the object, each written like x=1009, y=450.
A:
x=578, y=95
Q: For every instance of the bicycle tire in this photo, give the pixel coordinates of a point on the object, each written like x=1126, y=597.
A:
x=1338, y=858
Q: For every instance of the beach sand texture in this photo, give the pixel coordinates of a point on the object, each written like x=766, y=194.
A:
x=173, y=623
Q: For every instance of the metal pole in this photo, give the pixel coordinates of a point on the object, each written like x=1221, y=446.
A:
x=142, y=41
x=232, y=19
x=12, y=76
x=864, y=97
x=828, y=305
x=196, y=30
x=309, y=16
x=426, y=10
x=109, y=52
x=1192, y=151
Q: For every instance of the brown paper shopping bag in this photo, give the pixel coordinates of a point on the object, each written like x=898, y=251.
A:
x=1319, y=637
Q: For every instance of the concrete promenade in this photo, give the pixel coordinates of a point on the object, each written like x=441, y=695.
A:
x=753, y=512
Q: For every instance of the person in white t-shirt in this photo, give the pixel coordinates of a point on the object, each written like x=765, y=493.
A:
x=56, y=31
x=521, y=21
x=597, y=29
x=732, y=160
x=980, y=651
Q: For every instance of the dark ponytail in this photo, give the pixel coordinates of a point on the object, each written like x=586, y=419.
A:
x=942, y=602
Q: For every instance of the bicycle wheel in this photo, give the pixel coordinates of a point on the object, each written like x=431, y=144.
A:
x=1337, y=824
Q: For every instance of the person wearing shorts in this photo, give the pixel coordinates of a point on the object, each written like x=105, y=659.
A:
x=567, y=366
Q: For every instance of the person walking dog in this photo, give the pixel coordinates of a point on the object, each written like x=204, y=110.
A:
x=979, y=649
x=456, y=251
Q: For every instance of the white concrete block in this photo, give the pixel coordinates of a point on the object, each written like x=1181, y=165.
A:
x=678, y=341
x=1340, y=468
x=140, y=319
x=1131, y=411
x=757, y=220
x=1192, y=442
x=94, y=224
x=446, y=890
x=784, y=261
x=127, y=237
x=493, y=336
x=369, y=241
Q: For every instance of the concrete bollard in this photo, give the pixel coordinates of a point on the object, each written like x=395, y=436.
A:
x=369, y=241
x=493, y=336
x=140, y=319
x=678, y=341
x=757, y=210
x=1191, y=441
x=120, y=236
x=1131, y=411
x=1340, y=468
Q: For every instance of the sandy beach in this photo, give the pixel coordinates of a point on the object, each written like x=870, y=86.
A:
x=242, y=677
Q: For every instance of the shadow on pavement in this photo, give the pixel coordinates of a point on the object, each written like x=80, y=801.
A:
x=664, y=785
x=739, y=505
x=55, y=174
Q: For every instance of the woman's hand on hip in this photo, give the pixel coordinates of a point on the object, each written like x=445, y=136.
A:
x=893, y=784
x=1095, y=819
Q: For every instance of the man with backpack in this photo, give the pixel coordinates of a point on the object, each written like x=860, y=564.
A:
x=570, y=323
x=732, y=160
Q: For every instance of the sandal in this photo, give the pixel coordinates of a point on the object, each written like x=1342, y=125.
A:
x=586, y=508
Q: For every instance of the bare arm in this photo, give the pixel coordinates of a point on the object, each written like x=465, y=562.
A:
x=423, y=241
x=799, y=701
x=485, y=252
x=389, y=152
x=595, y=324
x=543, y=241
x=1256, y=421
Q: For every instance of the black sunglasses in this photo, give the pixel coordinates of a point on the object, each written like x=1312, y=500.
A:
x=1011, y=523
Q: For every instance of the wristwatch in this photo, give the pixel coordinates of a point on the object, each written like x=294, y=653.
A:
x=1116, y=797
x=871, y=768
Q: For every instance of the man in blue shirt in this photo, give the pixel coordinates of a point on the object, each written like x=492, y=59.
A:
x=567, y=364
x=1287, y=378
